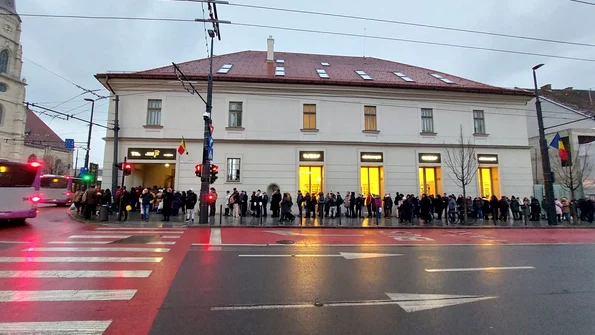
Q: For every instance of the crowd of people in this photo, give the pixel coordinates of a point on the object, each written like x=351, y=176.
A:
x=331, y=205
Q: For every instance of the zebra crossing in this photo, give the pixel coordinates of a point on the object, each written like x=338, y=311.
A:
x=72, y=257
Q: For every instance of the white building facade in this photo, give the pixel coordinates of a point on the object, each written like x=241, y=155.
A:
x=278, y=129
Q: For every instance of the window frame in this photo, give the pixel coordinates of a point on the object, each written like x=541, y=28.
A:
x=230, y=112
x=310, y=114
x=153, y=109
x=4, y=60
x=430, y=118
x=1, y=115
x=229, y=169
x=481, y=119
x=370, y=113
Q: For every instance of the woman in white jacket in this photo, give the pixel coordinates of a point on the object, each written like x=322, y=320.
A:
x=558, y=209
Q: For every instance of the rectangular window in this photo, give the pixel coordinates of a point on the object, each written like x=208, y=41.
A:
x=479, y=122
x=369, y=117
x=233, y=169
x=427, y=120
x=309, y=116
x=154, y=113
x=235, y=114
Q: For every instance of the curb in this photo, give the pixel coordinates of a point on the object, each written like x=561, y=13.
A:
x=112, y=223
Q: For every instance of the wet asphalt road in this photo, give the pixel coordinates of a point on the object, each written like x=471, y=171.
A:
x=556, y=297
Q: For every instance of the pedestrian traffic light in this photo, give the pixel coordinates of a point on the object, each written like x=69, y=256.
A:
x=214, y=172
x=127, y=169
x=198, y=170
x=210, y=198
x=87, y=177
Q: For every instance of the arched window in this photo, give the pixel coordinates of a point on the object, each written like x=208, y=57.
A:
x=3, y=61
x=1, y=115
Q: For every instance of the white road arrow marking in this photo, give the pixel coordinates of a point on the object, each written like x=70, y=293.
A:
x=346, y=255
x=421, y=302
x=408, y=301
x=291, y=233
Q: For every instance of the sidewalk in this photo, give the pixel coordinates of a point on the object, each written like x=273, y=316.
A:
x=393, y=222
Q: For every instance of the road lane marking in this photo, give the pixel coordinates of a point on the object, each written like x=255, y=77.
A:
x=100, y=236
x=66, y=295
x=14, y=242
x=163, y=242
x=80, y=259
x=166, y=236
x=407, y=301
x=90, y=249
x=76, y=274
x=496, y=268
x=346, y=255
x=392, y=244
x=55, y=328
x=215, y=238
x=153, y=232
x=80, y=242
x=291, y=233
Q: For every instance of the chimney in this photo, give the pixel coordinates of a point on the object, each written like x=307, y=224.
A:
x=569, y=88
x=270, y=49
x=547, y=87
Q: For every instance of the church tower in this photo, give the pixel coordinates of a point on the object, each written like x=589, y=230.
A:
x=12, y=86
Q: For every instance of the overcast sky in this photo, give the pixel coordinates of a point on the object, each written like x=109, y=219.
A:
x=79, y=48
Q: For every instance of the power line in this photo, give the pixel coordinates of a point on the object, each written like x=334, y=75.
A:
x=461, y=30
x=584, y=2
x=461, y=46
x=63, y=78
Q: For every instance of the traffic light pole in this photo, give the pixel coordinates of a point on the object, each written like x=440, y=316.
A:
x=121, y=189
x=206, y=164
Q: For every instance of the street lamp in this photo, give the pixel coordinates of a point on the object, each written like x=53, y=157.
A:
x=90, y=129
x=548, y=176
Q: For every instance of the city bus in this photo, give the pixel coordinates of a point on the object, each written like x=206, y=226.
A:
x=58, y=190
x=19, y=190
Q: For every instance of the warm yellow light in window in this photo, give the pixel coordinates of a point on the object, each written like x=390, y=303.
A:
x=2, y=169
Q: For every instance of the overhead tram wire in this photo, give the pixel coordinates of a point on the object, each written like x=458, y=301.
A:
x=584, y=2
x=452, y=45
x=460, y=30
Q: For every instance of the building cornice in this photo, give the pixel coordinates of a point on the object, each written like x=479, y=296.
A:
x=176, y=141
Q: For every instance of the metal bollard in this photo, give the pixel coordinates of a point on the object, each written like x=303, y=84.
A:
x=220, y=214
x=260, y=215
x=241, y=218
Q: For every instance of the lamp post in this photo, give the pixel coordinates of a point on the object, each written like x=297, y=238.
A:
x=90, y=129
x=206, y=164
x=548, y=175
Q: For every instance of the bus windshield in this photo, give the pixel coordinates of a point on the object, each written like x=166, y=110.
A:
x=17, y=175
x=54, y=182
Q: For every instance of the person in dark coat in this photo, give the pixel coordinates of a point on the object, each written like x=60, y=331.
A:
x=265, y=203
x=494, y=206
x=176, y=204
x=167, y=199
x=275, y=203
x=504, y=207
x=388, y=206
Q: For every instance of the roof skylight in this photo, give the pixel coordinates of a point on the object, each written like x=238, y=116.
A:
x=363, y=74
x=325, y=64
x=448, y=81
x=225, y=68
x=280, y=61
x=322, y=73
x=403, y=76
x=279, y=71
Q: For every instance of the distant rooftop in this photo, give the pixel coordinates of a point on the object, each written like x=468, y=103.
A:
x=576, y=99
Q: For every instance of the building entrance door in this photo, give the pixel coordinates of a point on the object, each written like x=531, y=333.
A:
x=429, y=181
x=372, y=180
x=311, y=179
x=488, y=182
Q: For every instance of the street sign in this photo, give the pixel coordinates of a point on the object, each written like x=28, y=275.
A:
x=410, y=302
x=346, y=255
x=93, y=169
x=210, y=154
x=69, y=143
x=84, y=170
x=210, y=141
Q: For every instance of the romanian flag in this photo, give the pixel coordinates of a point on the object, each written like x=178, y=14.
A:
x=182, y=147
x=557, y=143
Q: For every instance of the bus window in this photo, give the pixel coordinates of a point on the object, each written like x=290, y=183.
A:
x=54, y=182
x=14, y=175
x=77, y=185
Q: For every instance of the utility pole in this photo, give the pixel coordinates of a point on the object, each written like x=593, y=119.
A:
x=548, y=175
x=90, y=130
x=116, y=143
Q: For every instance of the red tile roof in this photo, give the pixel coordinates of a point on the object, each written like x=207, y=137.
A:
x=251, y=66
x=39, y=133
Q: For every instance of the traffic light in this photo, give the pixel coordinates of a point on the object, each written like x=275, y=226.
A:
x=214, y=172
x=127, y=169
x=210, y=198
x=198, y=170
x=87, y=177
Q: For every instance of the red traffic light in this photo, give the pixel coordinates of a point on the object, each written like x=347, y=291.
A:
x=210, y=197
x=214, y=168
x=198, y=169
x=128, y=167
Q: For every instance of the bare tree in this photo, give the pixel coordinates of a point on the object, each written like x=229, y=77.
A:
x=573, y=172
x=53, y=165
x=462, y=162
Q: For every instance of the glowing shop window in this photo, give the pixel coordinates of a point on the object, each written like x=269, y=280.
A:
x=311, y=179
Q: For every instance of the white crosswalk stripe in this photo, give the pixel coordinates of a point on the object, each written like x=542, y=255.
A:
x=139, y=228
x=98, y=249
x=100, y=236
x=141, y=232
x=108, y=242
x=66, y=295
x=55, y=328
x=76, y=274
x=80, y=259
